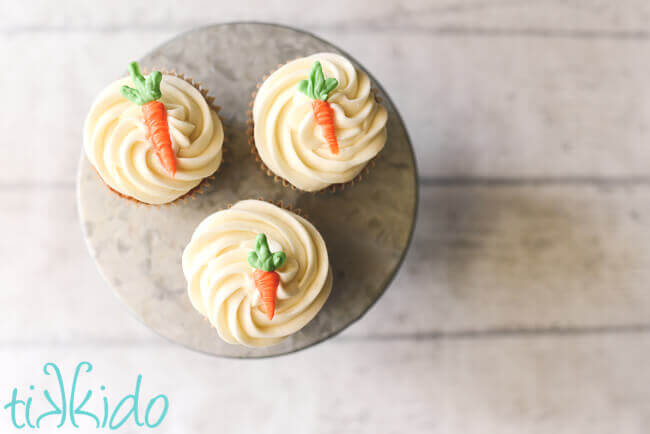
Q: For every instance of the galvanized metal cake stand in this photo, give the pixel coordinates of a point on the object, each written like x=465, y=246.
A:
x=367, y=227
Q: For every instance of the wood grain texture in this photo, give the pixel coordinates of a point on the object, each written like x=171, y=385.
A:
x=516, y=258
x=509, y=385
x=571, y=18
x=484, y=261
x=51, y=290
x=522, y=306
x=517, y=107
x=475, y=106
x=34, y=120
x=32, y=16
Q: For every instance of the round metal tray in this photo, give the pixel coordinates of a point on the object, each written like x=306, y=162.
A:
x=367, y=227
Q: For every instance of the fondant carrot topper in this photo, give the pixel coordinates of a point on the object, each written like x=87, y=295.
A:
x=266, y=278
x=318, y=88
x=146, y=94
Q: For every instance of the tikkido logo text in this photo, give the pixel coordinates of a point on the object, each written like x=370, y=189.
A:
x=73, y=407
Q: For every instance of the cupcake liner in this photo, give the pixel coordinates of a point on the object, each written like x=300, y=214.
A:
x=277, y=178
x=205, y=182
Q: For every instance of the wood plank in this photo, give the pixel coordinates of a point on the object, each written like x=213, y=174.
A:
x=516, y=107
x=509, y=385
x=33, y=15
x=484, y=261
x=51, y=290
x=566, y=18
x=478, y=107
x=33, y=123
x=522, y=257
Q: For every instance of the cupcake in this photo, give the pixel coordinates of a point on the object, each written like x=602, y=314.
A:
x=317, y=122
x=258, y=272
x=153, y=139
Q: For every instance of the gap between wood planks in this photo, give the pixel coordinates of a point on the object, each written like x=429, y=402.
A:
x=439, y=31
x=426, y=181
x=494, y=333
x=569, y=181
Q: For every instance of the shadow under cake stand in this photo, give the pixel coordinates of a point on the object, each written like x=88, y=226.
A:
x=367, y=227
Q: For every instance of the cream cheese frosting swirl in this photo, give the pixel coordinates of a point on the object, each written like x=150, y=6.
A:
x=115, y=142
x=220, y=282
x=290, y=142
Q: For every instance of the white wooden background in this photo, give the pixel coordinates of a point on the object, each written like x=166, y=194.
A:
x=523, y=306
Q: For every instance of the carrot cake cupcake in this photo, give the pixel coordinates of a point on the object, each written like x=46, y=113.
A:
x=317, y=122
x=153, y=138
x=258, y=272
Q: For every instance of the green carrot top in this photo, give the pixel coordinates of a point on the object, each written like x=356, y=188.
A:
x=317, y=87
x=146, y=89
x=262, y=258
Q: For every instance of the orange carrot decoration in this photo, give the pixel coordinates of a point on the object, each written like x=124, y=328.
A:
x=146, y=94
x=266, y=279
x=318, y=89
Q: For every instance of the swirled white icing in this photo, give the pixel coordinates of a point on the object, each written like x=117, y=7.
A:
x=290, y=142
x=115, y=142
x=220, y=282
